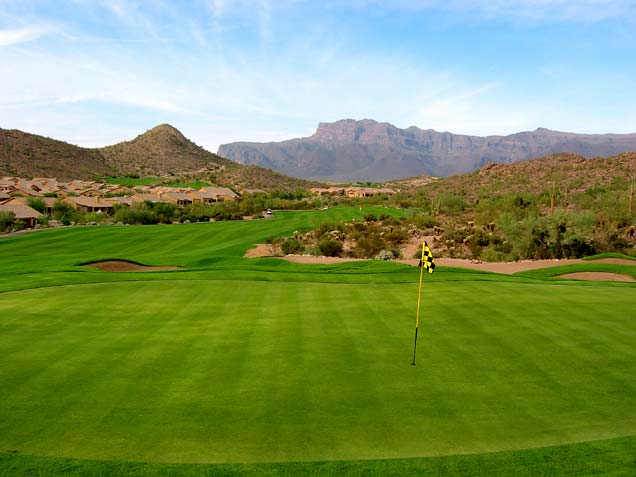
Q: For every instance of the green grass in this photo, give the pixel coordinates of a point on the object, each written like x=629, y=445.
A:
x=583, y=267
x=132, y=181
x=613, y=457
x=610, y=255
x=192, y=184
x=264, y=366
x=151, y=181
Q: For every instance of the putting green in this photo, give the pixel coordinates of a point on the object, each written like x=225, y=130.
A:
x=304, y=367
x=253, y=371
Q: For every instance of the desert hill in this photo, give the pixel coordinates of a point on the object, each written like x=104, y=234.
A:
x=29, y=155
x=367, y=150
x=567, y=173
x=162, y=151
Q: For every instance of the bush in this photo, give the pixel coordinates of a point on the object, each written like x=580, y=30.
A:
x=291, y=245
x=43, y=220
x=385, y=255
x=37, y=204
x=425, y=221
x=7, y=220
x=330, y=247
x=63, y=212
x=369, y=246
x=327, y=227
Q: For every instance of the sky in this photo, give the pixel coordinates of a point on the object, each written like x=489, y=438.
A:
x=97, y=72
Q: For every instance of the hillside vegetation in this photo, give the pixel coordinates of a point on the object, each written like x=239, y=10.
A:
x=162, y=152
x=560, y=206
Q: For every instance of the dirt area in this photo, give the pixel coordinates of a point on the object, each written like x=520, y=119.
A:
x=600, y=276
x=507, y=268
x=319, y=260
x=261, y=250
x=126, y=266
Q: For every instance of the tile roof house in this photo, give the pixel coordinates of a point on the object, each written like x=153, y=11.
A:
x=22, y=212
x=90, y=204
x=179, y=198
x=221, y=193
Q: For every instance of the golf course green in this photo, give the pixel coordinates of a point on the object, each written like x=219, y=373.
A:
x=234, y=365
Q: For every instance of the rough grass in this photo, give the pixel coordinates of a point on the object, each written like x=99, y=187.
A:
x=613, y=457
x=255, y=361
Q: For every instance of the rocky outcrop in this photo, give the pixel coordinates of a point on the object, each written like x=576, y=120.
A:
x=371, y=151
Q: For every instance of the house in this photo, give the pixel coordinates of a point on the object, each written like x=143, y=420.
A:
x=90, y=192
x=330, y=191
x=49, y=202
x=20, y=191
x=179, y=198
x=141, y=197
x=4, y=197
x=221, y=194
x=117, y=189
x=22, y=212
x=201, y=197
x=319, y=191
x=358, y=192
x=7, y=184
x=124, y=200
x=90, y=204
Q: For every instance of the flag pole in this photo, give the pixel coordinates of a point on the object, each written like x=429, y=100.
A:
x=419, y=301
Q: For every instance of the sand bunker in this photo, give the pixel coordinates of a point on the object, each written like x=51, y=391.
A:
x=261, y=250
x=126, y=266
x=599, y=276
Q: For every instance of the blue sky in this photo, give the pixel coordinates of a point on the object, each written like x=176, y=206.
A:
x=95, y=72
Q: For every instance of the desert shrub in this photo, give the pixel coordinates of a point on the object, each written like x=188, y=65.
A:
x=368, y=246
x=291, y=245
x=63, y=212
x=370, y=218
x=164, y=212
x=327, y=227
x=451, y=203
x=6, y=220
x=43, y=220
x=424, y=221
x=396, y=236
x=330, y=247
x=19, y=224
x=492, y=254
x=92, y=217
x=135, y=214
x=385, y=255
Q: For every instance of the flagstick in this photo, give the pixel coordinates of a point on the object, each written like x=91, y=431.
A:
x=419, y=301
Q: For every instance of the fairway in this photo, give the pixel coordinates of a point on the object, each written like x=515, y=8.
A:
x=260, y=361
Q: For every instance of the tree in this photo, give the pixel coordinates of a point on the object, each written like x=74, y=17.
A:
x=7, y=219
x=37, y=204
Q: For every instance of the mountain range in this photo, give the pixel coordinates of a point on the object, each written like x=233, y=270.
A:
x=367, y=150
x=162, y=151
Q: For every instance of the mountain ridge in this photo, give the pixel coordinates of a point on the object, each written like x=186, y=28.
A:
x=349, y=149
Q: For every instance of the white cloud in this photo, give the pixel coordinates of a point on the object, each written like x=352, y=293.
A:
x=534, y=10
x=23, y=35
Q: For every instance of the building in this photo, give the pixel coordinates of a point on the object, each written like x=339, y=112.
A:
x=22, y=212
x=90, y=204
